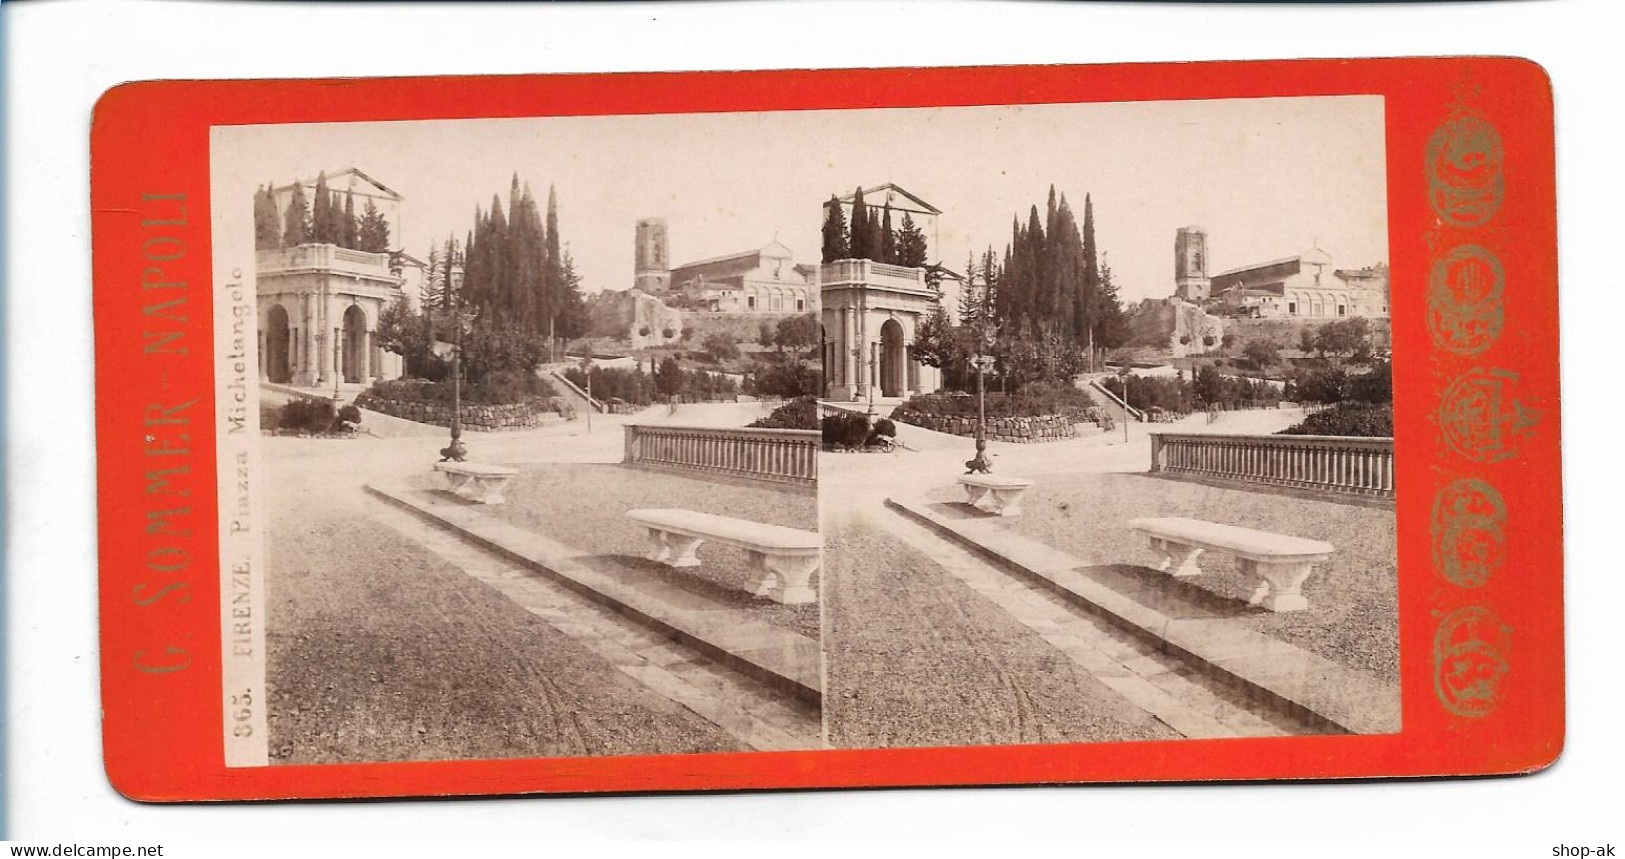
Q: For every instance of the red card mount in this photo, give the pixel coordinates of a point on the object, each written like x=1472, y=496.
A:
x=1471, y=239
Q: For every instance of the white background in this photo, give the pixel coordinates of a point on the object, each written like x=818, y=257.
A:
x=60, y=56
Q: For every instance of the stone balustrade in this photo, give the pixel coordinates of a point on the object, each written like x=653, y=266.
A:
x=323, y=257
x=1339, y=464
x=870, y=273
x=770, y=455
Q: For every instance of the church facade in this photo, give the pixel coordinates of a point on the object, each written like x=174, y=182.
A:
x=1303, y=285
x=762, y=280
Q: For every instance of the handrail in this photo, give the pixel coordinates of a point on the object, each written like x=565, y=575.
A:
x=1122, y=403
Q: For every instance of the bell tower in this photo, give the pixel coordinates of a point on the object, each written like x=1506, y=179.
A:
x=1190, y=264
x=651, y=270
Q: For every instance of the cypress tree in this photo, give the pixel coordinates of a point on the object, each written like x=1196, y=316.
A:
x=267, y=224
x=990, y=283
x=335, y=218
x=1041, y=291
x=452, y=288
x=911, y=249
x=557, y=274
x=430, y=293
x=837, y=244
x=969, y=306
x=533, y=254
x=1091, y=297
x=573, y=312
x=861, y=234
x=372, y=232
x=499, y=298
x=350, y=235
x=888, y=239
x=296, y=221
x=321, y=220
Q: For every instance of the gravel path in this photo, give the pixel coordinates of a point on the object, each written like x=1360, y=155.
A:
x=379, y=651
x=584, y=506
x=916, y=658
x=1353, y=598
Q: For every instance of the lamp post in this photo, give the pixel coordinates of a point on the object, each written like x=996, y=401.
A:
x=980, y=465
x=456, y=451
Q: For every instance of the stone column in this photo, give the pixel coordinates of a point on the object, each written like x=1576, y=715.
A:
x=310, y=361
x=849, y=355
x=913, y=369
x=860, y=388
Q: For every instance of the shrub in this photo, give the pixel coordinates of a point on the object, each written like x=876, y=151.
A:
x=304, y=414
x=1034, y=399
x=350, y=414
x=632, y=385
x=785, y=379
x=885, y=427
x=1365, y=420
x=1262, y=353
x=497, y=388
x=843, y=429
x=796, y=414
x=1376, y=386
x=721, y=346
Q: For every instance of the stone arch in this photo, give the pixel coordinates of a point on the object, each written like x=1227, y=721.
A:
x=354, y=349
x=893, y=359
x=278, y=344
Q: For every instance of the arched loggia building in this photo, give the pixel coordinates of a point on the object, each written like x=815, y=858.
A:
x=871, y=312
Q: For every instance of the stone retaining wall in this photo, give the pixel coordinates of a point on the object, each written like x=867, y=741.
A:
x=1022, y=430
x=474, y=416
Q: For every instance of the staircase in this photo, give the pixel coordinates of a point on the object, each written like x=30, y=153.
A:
x=1119, y=410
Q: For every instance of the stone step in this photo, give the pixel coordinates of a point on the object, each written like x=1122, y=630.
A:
x=759, y=715
x=785, y=659
x=1272, y=674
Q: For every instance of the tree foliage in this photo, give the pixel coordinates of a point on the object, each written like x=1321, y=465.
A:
x=296, y=220
x=837, y=241
x=1262, y=352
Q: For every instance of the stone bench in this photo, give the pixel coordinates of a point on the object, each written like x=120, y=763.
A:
x=1002, y=494
x=476, y=481
x=786, y=557
x=1280, y=562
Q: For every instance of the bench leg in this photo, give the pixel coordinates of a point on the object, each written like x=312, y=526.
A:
x=1280, y=585
x=683, y=550
x=457, y=484
x=1178, y=559
x=788, y=578
x=770, y=580
x=1007, y=502
x=974, y=494
x=658, y=550
x=491, y=489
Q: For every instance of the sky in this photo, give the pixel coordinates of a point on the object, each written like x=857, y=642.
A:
x=1267, y=178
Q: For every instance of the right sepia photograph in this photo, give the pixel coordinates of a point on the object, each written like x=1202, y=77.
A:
x=1108, y=430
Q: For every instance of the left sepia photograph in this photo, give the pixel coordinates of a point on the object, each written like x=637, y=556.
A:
x=523, y=447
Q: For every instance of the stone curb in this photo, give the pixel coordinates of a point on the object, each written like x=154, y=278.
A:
x=1268, y=671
